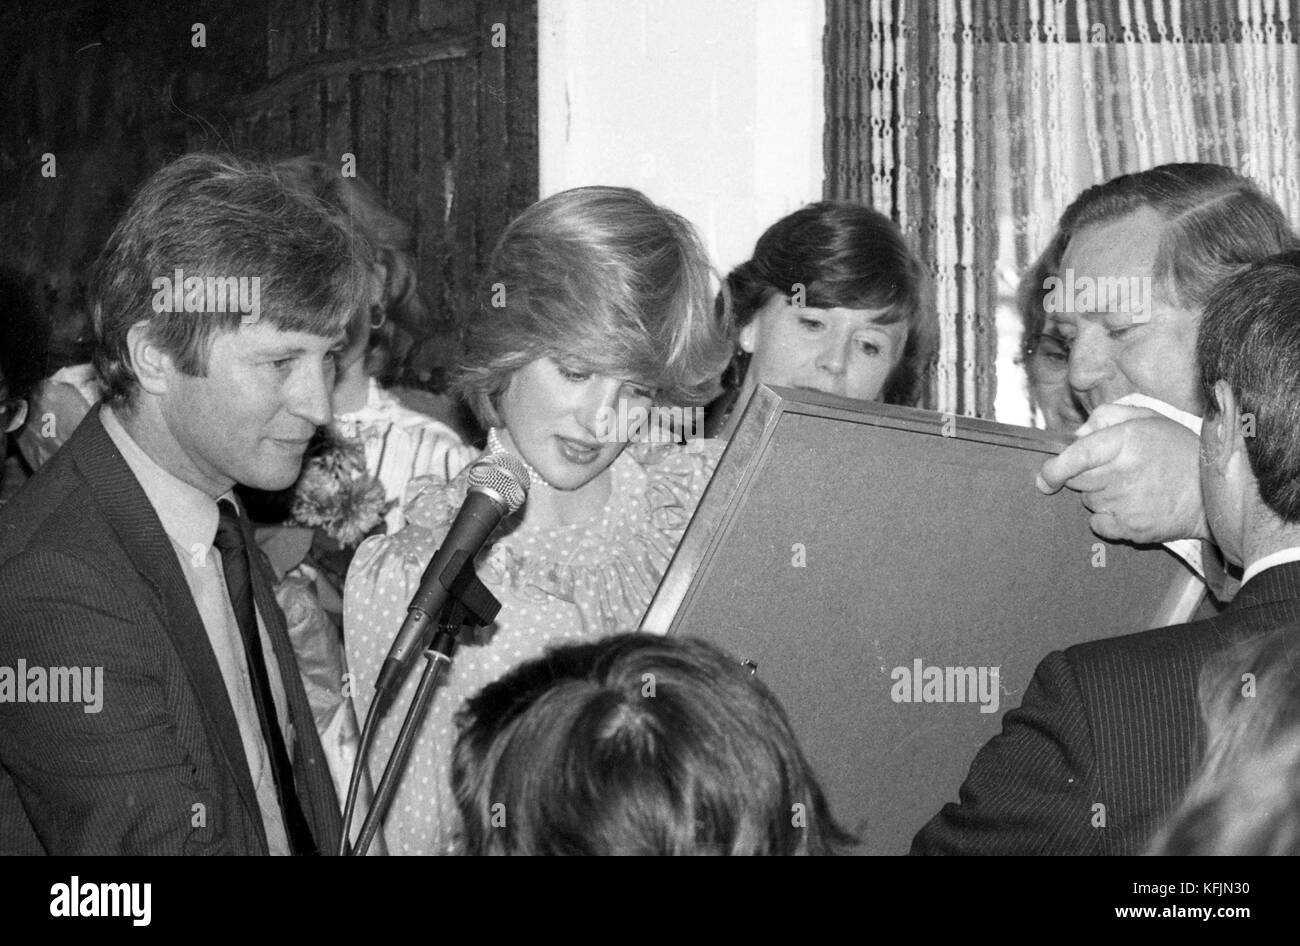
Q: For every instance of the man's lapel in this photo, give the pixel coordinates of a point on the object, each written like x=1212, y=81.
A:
x=132, y=516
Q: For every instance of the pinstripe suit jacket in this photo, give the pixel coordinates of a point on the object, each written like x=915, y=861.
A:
x=88, y=578
x=1114, y=723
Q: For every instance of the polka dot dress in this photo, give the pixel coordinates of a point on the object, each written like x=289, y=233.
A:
x=572, y=583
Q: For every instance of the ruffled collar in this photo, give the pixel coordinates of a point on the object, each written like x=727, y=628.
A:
x=608, y=565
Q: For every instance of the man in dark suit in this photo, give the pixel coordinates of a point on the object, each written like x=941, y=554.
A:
x=153, y=703
x=1108, y=733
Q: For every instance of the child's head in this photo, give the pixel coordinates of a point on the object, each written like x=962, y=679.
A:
x=636, y=744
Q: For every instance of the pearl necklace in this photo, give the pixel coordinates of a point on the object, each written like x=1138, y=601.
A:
x=495, y=446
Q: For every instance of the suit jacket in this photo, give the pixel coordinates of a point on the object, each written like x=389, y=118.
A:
x=88, y=578
x=1113, y=723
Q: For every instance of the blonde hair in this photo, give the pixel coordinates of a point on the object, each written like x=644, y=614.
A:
x=603, y=279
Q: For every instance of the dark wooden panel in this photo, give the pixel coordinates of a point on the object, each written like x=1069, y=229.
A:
x=371, y=17
x=433, y=246
x=338, y=24
x=521, y=108
x=467, y=237
x=443, y=124
x=403, y=152
x=492, y=87
x=371, y=143
x=281, y=24
x=441, y=14
x=112, y=89
x=306, y=131
x=278, y=142
x=337, y=117
x=312, y=26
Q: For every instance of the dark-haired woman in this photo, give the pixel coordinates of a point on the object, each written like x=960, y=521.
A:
x=832, y=300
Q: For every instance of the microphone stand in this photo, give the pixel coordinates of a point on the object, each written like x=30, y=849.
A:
x=469, y=604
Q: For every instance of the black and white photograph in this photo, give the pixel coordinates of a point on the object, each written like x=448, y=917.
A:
x=653, y=428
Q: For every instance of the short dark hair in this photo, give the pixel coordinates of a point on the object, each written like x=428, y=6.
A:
x=635, y=744
x=218, y=216
x=845, y=256
x=1250, y=337
x=1219, y=221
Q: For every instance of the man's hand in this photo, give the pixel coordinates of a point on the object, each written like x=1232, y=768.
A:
x=1138, y=473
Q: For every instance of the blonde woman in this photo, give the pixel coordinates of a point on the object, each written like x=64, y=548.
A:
x=597, y=301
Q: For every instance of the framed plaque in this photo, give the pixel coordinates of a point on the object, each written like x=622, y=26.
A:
x=895, y=576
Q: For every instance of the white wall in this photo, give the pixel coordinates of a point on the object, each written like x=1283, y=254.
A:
x=713, y=109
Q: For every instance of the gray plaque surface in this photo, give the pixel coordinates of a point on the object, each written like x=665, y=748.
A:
x=839, y=542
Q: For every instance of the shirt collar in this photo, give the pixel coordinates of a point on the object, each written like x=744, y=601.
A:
x=188, y=515
x=1280, y=557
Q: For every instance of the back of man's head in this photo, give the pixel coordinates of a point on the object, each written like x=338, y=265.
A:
x=224, y=237
x=1250, y=338
x=1218, y=221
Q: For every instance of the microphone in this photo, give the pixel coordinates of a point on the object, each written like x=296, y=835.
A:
x=498, y=486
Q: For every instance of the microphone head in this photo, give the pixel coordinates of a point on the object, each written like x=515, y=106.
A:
x=503, y=477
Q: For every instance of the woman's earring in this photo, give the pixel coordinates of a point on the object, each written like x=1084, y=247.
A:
x=382, y=313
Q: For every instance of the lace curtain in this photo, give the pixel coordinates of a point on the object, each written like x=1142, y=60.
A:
x=949, y=114
x=908, y=132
